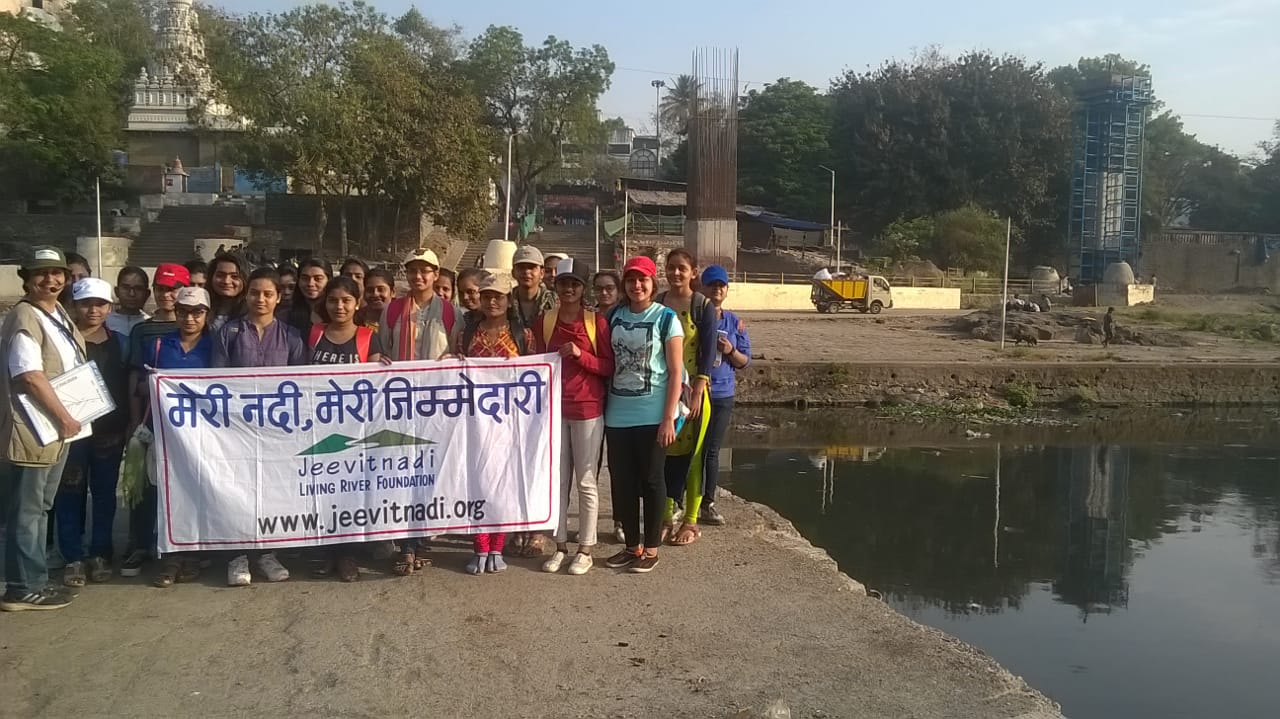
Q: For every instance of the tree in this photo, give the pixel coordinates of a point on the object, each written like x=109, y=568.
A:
x=428, y=40
x=915, y=139
x=675, y=104
x=544, y=96
x=906, y=239
x=344, y=105
x=60, y=111
x=782, y=140
x=969, y=238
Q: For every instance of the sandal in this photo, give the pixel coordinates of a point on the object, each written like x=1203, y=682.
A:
x=405, y=564
x=348, y=570
x=168, y=574
x=688, y=534
x=534, y=545
x=668, y=530
x=190, y=571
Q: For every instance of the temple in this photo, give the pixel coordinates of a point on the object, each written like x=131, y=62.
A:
x=174, y=112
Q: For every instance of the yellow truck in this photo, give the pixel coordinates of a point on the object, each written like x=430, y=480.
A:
x=864, y=293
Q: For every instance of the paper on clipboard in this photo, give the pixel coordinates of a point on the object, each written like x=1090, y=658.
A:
x=82, y=391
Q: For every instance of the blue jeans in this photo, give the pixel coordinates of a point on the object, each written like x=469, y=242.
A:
x=31, y=491
x=721, y=413
x=97, y=471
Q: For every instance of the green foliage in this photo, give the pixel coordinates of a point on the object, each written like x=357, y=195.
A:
x=782, y=139
x=1020, y=395
x=907, y=239
x=61, y=110
x=545, y=95
x=674, y=107
x=343, y=102
x=931, y=135
x=1260, y=326
x=967, y=238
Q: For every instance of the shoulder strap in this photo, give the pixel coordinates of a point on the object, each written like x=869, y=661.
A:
x=549, y=319
x=468, y=334
x=519, y=333
x=448, y=315
x=589, y=319
x=317, y=331
x=364, y=338
x=664, y=324
x=395, y=310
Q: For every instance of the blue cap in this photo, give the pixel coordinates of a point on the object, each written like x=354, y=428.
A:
x=714, y=273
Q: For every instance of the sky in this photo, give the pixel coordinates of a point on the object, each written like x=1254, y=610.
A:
x=1213, y=61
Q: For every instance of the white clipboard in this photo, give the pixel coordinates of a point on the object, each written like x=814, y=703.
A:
x=82, y=391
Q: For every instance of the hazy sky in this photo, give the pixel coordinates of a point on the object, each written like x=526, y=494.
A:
x=1213, y=62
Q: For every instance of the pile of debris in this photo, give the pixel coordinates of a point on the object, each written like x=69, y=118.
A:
x=1082, y=326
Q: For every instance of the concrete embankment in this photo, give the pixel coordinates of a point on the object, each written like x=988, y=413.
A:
x=751, y=616
x=851, y=383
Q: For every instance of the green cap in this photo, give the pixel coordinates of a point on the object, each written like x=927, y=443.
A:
x=44, y=257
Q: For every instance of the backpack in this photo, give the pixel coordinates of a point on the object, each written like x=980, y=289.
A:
x=514, y=326
x=550, y=318
x=364, y=337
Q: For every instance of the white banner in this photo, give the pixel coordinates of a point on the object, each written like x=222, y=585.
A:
x=328, y=454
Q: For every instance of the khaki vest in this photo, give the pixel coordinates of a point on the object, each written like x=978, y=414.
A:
x=16, y=436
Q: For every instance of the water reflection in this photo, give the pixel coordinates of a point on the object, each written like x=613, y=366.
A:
x=1121, y=580
x=965, y=526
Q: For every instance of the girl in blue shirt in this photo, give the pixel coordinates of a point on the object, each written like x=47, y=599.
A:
x=733, y=350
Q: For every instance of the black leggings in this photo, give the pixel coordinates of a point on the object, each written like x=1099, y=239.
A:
x=636, y=462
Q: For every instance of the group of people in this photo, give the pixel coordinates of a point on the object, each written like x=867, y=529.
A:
x=648, y=378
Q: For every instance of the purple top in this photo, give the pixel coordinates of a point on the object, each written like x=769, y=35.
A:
x=236, y=344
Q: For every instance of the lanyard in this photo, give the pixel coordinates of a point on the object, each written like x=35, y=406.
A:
x=63, y=327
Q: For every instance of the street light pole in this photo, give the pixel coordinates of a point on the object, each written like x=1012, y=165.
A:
x=834, y=232
x=506, y=218
x=97, y=192
x=657, y=116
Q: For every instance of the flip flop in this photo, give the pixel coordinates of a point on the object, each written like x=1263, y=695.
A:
x=686, y=535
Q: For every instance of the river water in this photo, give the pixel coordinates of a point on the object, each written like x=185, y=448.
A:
x=1135, y=579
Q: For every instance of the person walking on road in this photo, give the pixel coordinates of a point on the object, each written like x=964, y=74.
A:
x=39, y=342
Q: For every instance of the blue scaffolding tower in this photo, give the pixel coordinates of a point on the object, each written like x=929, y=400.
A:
x=1106, y=183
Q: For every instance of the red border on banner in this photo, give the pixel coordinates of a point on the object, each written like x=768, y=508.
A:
x=373, y=370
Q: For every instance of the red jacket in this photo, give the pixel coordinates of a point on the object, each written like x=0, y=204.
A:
x=586, y=378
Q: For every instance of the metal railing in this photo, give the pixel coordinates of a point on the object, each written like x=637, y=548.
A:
x=966, y=285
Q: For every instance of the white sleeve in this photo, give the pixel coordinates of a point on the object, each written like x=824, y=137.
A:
x=24, y=355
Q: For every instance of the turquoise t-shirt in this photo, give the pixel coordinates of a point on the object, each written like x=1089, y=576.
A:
x=639, y=389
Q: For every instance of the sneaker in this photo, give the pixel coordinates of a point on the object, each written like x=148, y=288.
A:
x=551, y=566
x=476, y=563
x=73, y=575
x=99, y=569
x=580, y=564
x=619, y=534
x=238, y=572
x=496, y=563
x=34, y=601
x=711, y=515
x=625, y=558
x=272, y=568
x=132, y=566
x=644, y=564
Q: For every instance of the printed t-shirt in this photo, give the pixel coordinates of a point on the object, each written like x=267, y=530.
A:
x=638, y=394
x=326, y=352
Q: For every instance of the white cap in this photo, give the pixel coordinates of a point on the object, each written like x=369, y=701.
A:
x=423, y=254
x=193, y=297
x=91, y=288
x=557, y=256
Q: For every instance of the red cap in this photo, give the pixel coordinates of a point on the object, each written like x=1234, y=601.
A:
x=643, y=265
x=171, y=275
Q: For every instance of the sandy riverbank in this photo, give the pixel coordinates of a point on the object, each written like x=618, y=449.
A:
x=750, y=616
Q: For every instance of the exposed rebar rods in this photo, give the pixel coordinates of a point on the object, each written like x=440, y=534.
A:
x=713, y=136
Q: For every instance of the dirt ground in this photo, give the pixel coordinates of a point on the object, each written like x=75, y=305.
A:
x=932, y=335
x=748, y=618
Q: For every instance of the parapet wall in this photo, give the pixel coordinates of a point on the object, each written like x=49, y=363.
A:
x=1131, y=383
